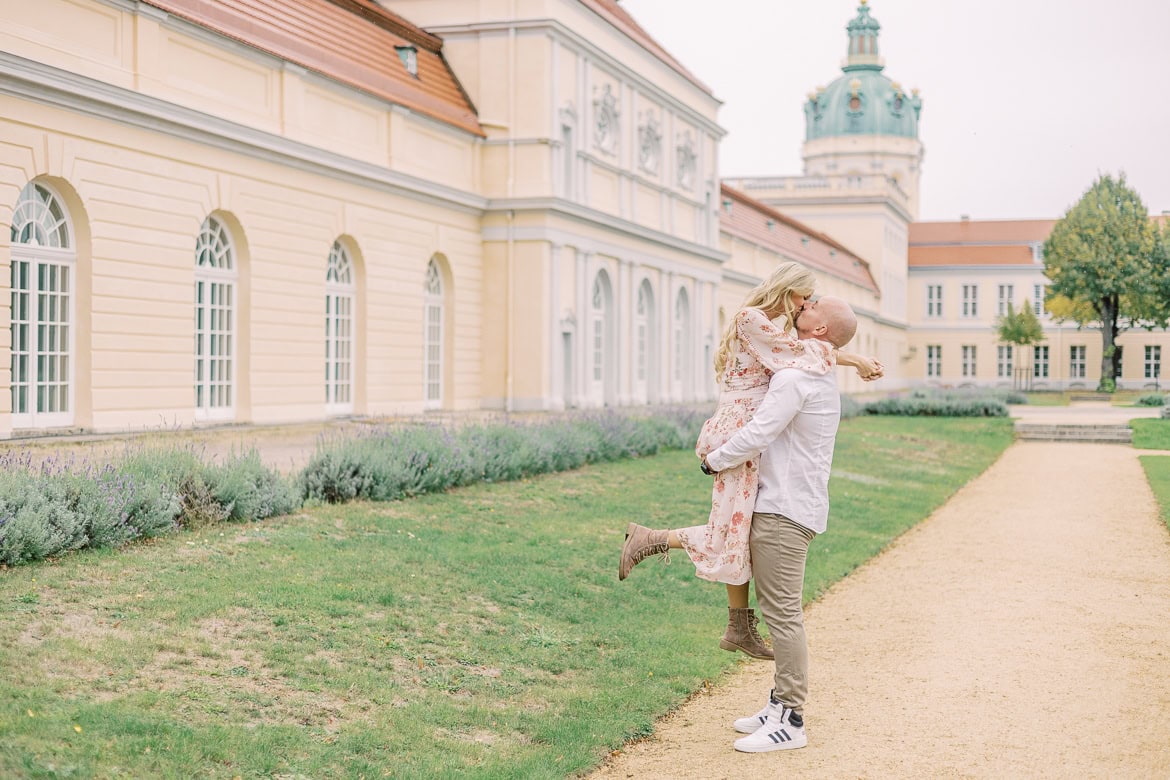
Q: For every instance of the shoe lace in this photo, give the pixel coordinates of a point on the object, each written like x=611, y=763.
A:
x=753, y=621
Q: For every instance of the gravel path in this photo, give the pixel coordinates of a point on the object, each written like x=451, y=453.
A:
x=1021, y=631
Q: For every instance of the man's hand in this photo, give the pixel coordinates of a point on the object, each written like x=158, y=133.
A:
x=703, y=467
x=870, y=369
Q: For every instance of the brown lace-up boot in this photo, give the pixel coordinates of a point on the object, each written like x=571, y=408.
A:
x=742, y=635
x=641, y=542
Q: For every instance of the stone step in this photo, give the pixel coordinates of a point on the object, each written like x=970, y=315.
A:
x=1121, y=434
x=1090, y=397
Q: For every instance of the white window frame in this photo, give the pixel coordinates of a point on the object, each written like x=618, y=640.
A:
x=1040, y=358
x=599, y=340
x=434, y=305
x=643, y=340
x=1038, y=300
x=934, y=301
x=970, y=301
x=969, y=364
x=1004, y=362
x=340, y=330
x=218, y=277
x=1005, y=298
x=1076, y=361
x=682, y=340
x=42, y=244
x=1153, y=361
x=934, y=361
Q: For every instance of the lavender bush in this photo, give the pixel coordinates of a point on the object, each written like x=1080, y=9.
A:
x=51, y=508
x=400, y=461
x=48, y=509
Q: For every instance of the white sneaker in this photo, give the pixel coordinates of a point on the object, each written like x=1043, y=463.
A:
x=750, y=724
x=782, y=729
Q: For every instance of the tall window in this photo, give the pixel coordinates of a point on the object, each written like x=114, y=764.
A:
x=1038, y=299
x=339, y=305
x=43, y=265
x=934, y=360
x=1153, y=362
x=643, y=339
x=600, y=339
x=1040, y=362
x=1007, y=292
x=1076, y=362
x=433, y=337
x=682, y=339
x=970, y=300
x=968, y=360
x=1003, y=361
x=215, y=322
x=934, y=300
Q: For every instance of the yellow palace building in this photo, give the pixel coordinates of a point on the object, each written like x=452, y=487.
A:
x=257, y=213
x=266, y=212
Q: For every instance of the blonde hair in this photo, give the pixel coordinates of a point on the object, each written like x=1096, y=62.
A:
x=773, y=297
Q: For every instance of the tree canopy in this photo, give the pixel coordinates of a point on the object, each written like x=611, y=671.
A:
x=1108, y=267
x=1021, y=328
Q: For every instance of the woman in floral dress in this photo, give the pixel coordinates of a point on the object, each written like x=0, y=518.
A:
x=755, y=346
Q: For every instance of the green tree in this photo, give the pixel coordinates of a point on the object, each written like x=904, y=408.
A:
x=1020, y=329
x=1108, y=268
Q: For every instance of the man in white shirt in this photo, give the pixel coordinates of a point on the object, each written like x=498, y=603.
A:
x=793, y=431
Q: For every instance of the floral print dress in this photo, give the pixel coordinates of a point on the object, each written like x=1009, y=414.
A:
x=719, y=549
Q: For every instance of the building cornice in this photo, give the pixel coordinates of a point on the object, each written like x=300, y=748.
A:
x=854, y=200
x=558, y=236
x=50, y=86
x=590, y=216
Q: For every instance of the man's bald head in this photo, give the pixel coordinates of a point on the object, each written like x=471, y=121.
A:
x=828, y=319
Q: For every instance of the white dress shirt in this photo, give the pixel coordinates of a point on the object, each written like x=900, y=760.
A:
x=794, y=431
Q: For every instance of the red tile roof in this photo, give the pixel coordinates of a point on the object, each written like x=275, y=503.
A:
x=981, y=231
x=749, y=220
x=350, y=41
x=612, y=12
x=1006, y=242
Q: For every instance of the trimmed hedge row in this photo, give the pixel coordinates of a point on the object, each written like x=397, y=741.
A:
x=938, y=407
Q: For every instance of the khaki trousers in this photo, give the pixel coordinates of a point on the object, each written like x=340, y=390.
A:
x=779, y=549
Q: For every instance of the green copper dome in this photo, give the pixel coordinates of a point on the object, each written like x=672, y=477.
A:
x=862, y=101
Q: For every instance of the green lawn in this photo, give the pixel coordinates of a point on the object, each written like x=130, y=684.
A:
x=1157, y=469
x=1151, y=433
x=477, y=633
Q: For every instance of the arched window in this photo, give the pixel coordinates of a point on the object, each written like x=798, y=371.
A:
x=433, y=345
x=682, y=342
x=215, y=322
x=44, y=262
x=600, y=307
x=339, y=331
x=644, y=341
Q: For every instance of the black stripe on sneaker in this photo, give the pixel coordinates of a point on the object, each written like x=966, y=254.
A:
x=779, y=736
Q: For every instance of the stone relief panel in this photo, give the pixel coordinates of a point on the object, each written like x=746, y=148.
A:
x=686, y=160
x=650, y=144
x=606, y=120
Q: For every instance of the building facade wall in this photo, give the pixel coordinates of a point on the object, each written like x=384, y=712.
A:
x=1069, y=357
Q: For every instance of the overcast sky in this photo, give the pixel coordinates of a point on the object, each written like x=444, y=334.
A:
x=1024, y=101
